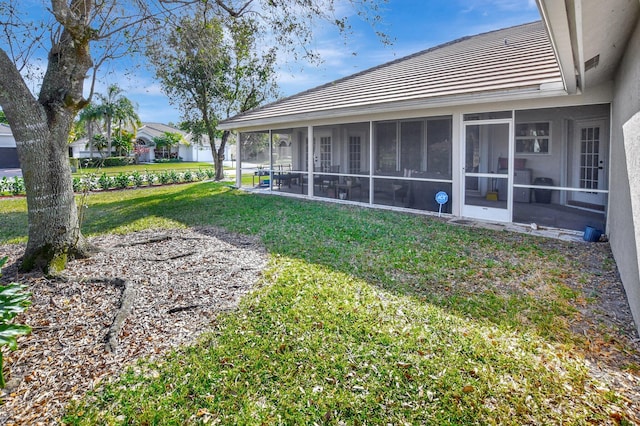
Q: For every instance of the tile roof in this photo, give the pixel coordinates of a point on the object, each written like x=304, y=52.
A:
x=512, y=59
x=158, y=129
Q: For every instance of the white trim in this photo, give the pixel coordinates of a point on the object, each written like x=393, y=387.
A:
x=310, y=161
x=238, y=161
x=577, y=8
x=457, y=127
x=603, y=156
x=554, y=15
x=371, y=163
x=602, y=94
x=488, y=175
x=485, y=212
x=270, y=160
x=560, y=188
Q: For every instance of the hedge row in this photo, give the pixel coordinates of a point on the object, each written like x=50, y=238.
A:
x=95, y=182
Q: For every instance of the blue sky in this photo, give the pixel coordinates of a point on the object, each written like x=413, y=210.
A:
x=414, y=25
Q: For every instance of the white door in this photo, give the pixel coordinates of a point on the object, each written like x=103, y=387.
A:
x=591, y=147
x=488, y=170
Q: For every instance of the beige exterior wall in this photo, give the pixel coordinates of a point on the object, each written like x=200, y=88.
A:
x=624, y=201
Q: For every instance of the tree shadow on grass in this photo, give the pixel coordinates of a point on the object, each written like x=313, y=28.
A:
x=513, y=281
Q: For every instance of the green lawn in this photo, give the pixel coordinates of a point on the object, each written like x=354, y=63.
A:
x=362, y=317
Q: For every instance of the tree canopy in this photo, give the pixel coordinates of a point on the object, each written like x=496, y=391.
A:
x=77, y=38
x=212, y=68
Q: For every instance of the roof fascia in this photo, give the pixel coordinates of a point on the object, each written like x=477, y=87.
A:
x=556, y=20
x=405, y=109
x=598, y=95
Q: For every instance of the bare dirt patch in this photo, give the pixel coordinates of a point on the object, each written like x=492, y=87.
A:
x=176, y=282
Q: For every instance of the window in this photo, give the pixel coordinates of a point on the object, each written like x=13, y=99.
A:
x=532, y=138
x=355, y=150
x=589, y=157
x=325, y=153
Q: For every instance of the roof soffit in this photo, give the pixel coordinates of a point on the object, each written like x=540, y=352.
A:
x=595, y=31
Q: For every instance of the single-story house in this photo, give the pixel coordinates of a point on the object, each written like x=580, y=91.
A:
x=147, y=151
x=533, y=124
x=8, y=151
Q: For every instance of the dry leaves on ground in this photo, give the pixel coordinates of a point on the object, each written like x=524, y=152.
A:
x=181, y=279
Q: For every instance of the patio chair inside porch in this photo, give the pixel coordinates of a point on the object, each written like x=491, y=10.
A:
x=283, y=175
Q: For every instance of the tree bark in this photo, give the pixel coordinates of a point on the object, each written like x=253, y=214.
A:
x=41, y=129
x=54, y=228
x=218, y=155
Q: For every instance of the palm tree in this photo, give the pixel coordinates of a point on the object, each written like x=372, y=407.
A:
x=116, y=109
x=90, y=116
x=126, y=116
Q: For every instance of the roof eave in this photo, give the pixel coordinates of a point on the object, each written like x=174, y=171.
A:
x=556, y=20
x=544, y=90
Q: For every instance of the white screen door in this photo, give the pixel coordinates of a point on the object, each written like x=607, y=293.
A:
x=488, y=170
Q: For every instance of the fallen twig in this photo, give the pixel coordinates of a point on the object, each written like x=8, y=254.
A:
x=164, y=259
x=182, y=308
x=147, y=241
x=126, y=302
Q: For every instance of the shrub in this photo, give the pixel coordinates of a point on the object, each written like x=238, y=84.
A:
x=77, y=184
x=14, y=299
x=117, y=161
x=90, y=162
x=151, y=178
x=106, y=162
x=17, y=186
x=121, y=181
x=105, y=182
x=187, y=176
x=174, y=176
x=168, y=160
x=164, y=177
x=89, y=182
x=201, y=174
x=4, y=185
x=210, y=173
x=138, y=179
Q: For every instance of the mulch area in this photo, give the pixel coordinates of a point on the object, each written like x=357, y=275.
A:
x=180, y=280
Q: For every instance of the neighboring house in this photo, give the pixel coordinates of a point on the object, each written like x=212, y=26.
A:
x=148, y=131
x=147, y=151
x=192, y=150
x=8, y=151
x=534, y=124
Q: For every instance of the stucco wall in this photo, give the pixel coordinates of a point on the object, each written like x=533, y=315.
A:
x=624, y=199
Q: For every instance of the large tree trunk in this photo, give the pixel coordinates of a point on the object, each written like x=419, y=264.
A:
x=54, y=229
x=41, y=130
x=218, y=154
